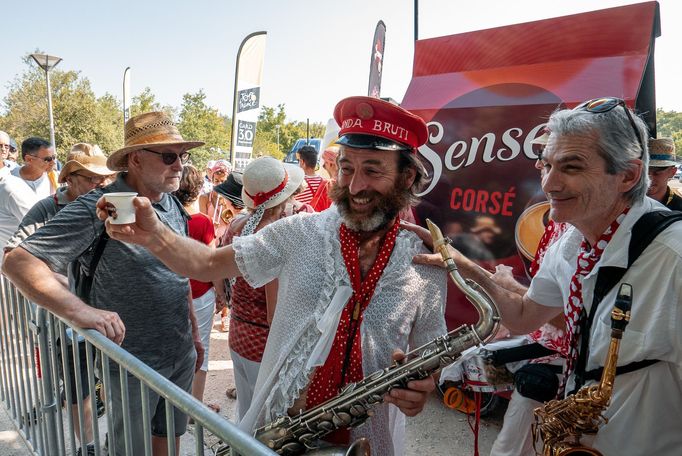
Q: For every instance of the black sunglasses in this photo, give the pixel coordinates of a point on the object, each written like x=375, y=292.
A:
x=169, y=158
x=46, y=159
x=602, y=105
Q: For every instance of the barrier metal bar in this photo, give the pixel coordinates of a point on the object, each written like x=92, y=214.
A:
x=32, y=331
x=146, y=420
x=30, y=382
x=26, y=364
x=93, y=396
x=50, y=382
x=60, y=346
x=202, y=415
x=20, y=370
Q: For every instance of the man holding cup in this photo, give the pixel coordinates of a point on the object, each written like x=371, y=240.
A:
x=135, y=300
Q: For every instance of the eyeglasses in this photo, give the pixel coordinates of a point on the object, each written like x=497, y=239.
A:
x=5, y=146
x=169, y=158
x=92, y=179
x=48, y=159
x=602, y=105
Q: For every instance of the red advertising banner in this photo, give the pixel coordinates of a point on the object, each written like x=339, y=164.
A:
x=486, y=95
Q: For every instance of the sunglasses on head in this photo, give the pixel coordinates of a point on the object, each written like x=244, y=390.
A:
x=602, y=105
x=169, y=158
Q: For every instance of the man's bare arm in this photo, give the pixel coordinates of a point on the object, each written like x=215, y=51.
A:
x=184, y=256
x=39, y=284
x=519, y=313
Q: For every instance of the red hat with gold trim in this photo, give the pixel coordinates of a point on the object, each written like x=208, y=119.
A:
x=372, y=123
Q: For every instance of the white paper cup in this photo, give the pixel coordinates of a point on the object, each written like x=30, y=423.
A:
x=123, y=202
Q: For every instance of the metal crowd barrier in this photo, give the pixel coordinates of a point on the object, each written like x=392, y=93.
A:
x=35, y=386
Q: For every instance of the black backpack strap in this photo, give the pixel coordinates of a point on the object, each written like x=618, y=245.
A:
x=644, y=231
x=595, y=374
x=86, y=279
x=520, y=353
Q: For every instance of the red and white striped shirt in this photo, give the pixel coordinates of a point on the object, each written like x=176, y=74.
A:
x=314, y=182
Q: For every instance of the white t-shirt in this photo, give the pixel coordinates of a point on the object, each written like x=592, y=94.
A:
x=40, y=186
x=645, y=410
x=17, y=196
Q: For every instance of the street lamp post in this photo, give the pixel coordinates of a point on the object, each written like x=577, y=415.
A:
x=277, y=128
x=47, y=62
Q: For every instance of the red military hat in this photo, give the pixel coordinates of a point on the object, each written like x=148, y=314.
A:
x=372, y=123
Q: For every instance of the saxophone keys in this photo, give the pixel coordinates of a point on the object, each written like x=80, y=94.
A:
x=342, y=419
x=373, y=398
x=325, y=426
x=292, y=448
x=357, y=410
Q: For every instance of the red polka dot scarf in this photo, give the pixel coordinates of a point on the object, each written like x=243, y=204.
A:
x=344, y=363
x=588, y=257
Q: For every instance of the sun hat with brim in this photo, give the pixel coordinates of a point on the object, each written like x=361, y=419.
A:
x=269, y=182
x=231, y=189
x=146, y=131
x=87, y=158
x=662, y=153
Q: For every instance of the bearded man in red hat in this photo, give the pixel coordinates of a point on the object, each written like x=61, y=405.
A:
x=349, y=294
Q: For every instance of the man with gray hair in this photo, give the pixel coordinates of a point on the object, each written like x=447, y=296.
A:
x=152, y=319
x=595, y=177
x=5, y=147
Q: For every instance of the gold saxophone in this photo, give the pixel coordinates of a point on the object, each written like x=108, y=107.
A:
x=300, y=434
x=561, y=423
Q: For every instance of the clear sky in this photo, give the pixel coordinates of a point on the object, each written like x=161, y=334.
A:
x=318, y=51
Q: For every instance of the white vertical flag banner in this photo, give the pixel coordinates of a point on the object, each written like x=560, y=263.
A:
x=126, y=95
x=247, y=93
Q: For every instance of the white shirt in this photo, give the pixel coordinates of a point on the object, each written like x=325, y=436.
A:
x=17, y=196
x=304, y=252
x=40, y=186
x=645, y=410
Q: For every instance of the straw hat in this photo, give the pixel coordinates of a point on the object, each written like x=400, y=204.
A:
x=86, y=157
x=662, y=153
x=269, y=182
x=151, y=129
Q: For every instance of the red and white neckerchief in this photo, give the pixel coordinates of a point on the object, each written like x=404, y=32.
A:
x=344, y=362
x=588, y=257
x=553, y=232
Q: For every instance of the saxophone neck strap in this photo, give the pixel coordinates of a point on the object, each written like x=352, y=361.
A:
x=644, y=231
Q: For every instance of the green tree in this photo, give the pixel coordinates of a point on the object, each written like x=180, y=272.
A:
x=146, y=102
x=198, y=121
x=266, y=131
x=79, y=116
x=669, y=124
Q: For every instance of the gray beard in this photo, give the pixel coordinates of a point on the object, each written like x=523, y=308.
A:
x=374, y=222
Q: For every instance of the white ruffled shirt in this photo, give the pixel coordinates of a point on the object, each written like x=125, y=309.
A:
x=304, y=253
